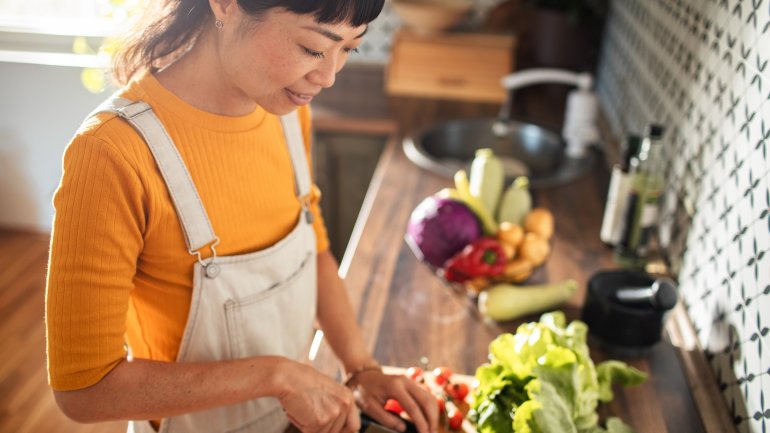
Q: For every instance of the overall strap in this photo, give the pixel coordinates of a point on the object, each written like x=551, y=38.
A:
x=189, y=207
x=293, y=134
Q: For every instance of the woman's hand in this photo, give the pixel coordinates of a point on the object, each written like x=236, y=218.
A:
x=373, y=388
x=315, y=403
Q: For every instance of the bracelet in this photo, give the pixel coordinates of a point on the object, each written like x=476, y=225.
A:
x=353, y=374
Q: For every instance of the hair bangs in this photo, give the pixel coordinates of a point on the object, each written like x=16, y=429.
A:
x=354, y=12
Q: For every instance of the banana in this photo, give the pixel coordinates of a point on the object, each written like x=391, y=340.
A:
x=488, y=224
x=516, y=202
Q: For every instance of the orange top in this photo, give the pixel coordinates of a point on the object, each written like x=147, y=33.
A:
x=119, y=269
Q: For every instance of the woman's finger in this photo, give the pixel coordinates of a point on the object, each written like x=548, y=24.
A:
x=427, y=402
x=414, y=411
x=336, y=425
x=375, y=410
x=353, y=422
x=344, y=405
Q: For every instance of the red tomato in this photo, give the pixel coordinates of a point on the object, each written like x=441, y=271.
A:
x=441, y=405
x=414, y=373
x=394, y=406
x=457, y=391
x=455, y=419
x=441, y=375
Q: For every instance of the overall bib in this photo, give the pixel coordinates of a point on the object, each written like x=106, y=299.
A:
x=255, y=304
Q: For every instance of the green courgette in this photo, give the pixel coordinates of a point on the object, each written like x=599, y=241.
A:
x=516, y=202
x=504, y=302
x=487, y=179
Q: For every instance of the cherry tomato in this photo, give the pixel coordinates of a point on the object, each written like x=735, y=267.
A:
x=457, y=391
x=455, y=419
x=441, y=375
x=414, y=373
x=441, y=405
x=392, y=405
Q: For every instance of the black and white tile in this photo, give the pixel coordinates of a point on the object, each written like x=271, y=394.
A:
x=702, y=67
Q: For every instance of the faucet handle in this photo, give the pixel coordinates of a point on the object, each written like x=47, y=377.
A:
x=585, y=81
x=528, y=77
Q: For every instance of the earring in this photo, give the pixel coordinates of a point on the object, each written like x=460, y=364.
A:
x=219, y=24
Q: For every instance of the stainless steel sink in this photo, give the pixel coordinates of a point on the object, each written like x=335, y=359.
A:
x=525, y=149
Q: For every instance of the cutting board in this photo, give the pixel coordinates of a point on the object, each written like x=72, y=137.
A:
x=467, y=427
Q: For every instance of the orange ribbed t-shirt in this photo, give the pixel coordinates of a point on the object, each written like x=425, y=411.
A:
x=119, y=270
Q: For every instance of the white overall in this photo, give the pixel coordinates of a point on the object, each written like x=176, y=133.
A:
x=256, y=304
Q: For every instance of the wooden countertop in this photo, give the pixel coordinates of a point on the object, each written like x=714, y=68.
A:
x=406, y=312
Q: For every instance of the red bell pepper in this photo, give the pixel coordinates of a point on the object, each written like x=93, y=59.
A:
x=483, y=257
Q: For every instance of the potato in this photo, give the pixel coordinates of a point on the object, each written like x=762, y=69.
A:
x=518, y=270
x=539, y=220
x=510, y=234
x=534, y=248
x=509, y=250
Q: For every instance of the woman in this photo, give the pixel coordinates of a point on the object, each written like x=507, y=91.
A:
x=189, y=259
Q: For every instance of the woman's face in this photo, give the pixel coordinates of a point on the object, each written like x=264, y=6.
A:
x=283, y=60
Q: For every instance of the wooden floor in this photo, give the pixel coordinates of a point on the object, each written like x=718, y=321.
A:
x=26, y=402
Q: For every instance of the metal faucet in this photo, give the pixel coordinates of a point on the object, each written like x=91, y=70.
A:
x=579, y=128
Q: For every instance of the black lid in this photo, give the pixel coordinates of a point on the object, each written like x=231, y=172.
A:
x=632, y=146
x=655, y=131
x=625, y=327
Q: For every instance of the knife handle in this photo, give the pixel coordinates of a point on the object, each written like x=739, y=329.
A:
x=367, y=422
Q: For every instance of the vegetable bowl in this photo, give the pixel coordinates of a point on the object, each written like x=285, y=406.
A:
x=479, y=236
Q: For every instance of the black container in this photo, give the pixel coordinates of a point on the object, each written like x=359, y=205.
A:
x=625, y=329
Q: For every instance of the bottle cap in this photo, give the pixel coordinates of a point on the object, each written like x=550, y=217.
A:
x=655, y=131
x=633, y=144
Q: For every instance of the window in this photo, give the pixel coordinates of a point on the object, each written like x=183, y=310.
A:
x=45, y=31
x=82, y=17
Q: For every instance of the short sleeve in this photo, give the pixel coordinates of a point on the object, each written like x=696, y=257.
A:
x=96, y=240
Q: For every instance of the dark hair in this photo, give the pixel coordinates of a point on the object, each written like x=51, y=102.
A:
x=170, y=27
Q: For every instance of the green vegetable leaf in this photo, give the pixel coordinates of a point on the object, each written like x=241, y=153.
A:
x=542, y=380
x=524, y=418
x=612, y=371
x=615, y=425
x=547, y=412
x=494, y=417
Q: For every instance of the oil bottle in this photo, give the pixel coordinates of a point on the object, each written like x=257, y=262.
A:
x=645, y=188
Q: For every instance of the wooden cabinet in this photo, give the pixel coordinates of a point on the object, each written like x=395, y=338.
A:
x=460, y=66
x=343, y=164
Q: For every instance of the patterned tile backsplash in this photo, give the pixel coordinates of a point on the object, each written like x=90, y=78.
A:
x=702, y=68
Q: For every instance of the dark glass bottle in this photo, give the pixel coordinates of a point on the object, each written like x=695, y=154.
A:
x=641, y=214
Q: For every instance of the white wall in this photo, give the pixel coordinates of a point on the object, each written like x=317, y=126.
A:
x=40, y=108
